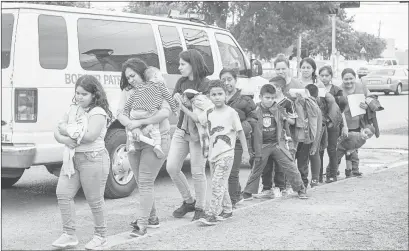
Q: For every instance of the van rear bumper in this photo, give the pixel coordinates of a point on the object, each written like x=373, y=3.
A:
x=17, y=155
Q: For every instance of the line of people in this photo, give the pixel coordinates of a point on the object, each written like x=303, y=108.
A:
x=278, y=136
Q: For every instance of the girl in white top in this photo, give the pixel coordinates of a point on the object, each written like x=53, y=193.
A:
x=91, y=164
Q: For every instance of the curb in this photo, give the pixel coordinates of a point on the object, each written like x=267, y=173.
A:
x=388, y=166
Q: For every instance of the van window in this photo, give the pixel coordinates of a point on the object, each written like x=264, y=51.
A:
x=198, y=39
x=230, y=54
x=394, y=62
x=172, y=47
x=388, y=62
x=7, y=22
x=53, y=42
x=104, y=45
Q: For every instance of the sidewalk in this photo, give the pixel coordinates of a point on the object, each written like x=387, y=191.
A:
x=357, y=213
x=387, y=142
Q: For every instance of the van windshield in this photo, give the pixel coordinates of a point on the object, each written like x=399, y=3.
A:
x=7, y=21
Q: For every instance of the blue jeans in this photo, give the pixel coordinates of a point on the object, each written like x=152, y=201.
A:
x=91, y=172
x=282, y=160
x=180, y=146
x=146, y=166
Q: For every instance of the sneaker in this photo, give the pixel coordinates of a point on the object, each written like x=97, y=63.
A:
x=277, y=192
x=138, y=231
x=356, y=174
x=65, y=241
x=314, y=183
x=96, y=243
x=209, y=220
x=158, y=151
x=247, y=196
x=265, y=194
x=240, y=200
x=302, y=194
x=184, y=209
x=199, y=213
x=152, y=223
x=224, y=216
x=331, y=179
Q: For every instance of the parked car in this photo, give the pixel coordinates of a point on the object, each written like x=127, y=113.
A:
x=387, y=80
x=375, y=64
x=45, y=49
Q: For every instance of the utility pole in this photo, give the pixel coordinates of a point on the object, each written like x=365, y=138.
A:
x=379, y=29
x=299, y=54
x=333, y=50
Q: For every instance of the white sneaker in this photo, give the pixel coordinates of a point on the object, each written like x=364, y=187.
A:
x=265, y=194
x=66, y=241
x=96, y=243
x=277, y=192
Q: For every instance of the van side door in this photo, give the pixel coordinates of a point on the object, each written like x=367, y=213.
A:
x=9, y=18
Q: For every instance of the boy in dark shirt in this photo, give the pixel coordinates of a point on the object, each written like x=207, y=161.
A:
x=288, y=109
x=271, y=122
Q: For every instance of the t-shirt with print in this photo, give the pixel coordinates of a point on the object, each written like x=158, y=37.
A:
x=223, y=126
x=269, y=127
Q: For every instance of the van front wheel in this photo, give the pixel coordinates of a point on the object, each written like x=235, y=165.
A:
x=120, y=182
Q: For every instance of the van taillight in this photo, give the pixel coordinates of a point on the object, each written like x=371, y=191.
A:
x=25, y=109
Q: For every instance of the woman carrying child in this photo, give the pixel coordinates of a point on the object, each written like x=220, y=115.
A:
x=144, y=161
x=245, y=107
x=90, y=161
x=186, y=138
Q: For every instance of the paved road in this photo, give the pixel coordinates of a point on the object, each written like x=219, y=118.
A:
x=30, y=215
x=358, y=214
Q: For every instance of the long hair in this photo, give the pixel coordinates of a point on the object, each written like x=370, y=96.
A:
x=92, y=85
x=137, y=65
x=311, y=62
x=199, y=67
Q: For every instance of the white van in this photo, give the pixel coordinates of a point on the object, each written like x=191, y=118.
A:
x=45, y=49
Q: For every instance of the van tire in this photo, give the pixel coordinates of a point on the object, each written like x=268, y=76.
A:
x=9, y=182
x=113, y=190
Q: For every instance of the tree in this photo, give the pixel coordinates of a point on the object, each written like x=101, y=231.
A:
x=348, y=41
x=153, y=8
x=60, y=3
x=267, y=28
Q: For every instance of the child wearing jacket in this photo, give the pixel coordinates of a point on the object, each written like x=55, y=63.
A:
x=271, y=123
x=347, y=145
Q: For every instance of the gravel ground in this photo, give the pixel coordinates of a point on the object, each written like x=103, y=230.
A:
x=357, y=213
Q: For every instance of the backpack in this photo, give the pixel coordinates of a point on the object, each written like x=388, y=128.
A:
x=309, y=121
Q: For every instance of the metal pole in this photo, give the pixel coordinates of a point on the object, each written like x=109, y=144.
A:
x=333, y=51
x=299, y=55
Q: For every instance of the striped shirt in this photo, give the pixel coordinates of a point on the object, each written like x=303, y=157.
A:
x=149, y=97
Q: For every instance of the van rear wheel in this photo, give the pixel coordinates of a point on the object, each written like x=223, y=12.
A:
x=120, y=182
